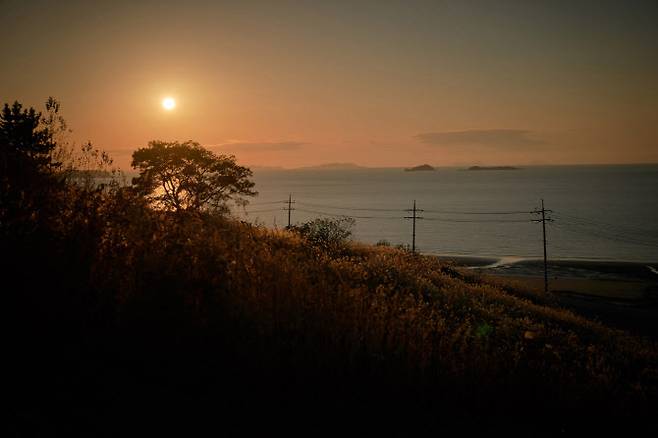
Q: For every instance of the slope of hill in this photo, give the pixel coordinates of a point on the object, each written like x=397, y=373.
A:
x=155, y=308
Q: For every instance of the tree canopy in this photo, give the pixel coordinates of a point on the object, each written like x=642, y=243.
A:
x=26, y=142
x=27, y=167
x=188, y=177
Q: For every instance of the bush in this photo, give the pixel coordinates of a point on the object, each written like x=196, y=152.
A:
x=330, y=235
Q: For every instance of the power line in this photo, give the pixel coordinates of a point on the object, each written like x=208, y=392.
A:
x=267, y=203
x=478, y=212
x=479, y=221
x=611, y=233
x=262, y=211
x=569, y=223
x=591, y=222
x=450, y=212
x=346, y=215
x=348, y=208
x=335, y=207
x=289, y=208
x=603, y=235
x=602, y=228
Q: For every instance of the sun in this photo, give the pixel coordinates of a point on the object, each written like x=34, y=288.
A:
x=168, y=103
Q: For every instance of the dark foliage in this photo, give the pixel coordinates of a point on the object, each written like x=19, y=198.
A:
x=330, y=235
x=27, y=170
x=27, y=143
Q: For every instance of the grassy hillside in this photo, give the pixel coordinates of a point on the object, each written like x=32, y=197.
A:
x=122, y=313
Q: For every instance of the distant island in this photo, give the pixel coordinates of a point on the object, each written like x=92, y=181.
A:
x=492, y=168
x=333, y=166
x=422, y=167
x=267, y=168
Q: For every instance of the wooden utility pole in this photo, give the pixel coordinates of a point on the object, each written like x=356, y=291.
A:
x=413, y=217
x=290, y=202
x=543, y=221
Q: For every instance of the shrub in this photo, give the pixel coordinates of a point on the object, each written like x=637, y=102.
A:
x=330, y=235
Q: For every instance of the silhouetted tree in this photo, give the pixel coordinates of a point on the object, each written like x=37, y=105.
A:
x=27, y=167
x=26, y=143
x=186, y=176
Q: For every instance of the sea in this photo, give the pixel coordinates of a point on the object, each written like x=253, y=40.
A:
x=597, y=212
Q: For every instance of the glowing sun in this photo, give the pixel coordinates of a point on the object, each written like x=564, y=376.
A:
x=168, y=103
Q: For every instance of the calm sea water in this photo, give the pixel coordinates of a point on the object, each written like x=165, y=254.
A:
x=599, y=212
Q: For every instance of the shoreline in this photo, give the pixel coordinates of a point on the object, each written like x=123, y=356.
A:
x=558, y=269
x=630, y=305
x=621, y=294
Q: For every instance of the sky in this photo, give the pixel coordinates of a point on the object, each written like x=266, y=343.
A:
x=375, y=83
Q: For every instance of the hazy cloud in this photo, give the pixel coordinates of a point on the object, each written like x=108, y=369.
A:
x=261, y=147
x=480, y=137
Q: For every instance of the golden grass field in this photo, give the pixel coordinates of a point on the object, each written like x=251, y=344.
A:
x=273, y=321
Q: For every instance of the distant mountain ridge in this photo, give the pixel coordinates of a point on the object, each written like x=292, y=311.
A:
x=334, y=166
x=493, y=168
x=421, y=168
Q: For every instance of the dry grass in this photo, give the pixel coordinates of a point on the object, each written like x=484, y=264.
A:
x=377, y=321
x=394, y=313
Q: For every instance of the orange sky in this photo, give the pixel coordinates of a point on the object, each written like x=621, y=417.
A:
x=378, y=84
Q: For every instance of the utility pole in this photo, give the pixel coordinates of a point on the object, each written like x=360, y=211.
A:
x=543, y=221
x=290, y=202
x=413, y=233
